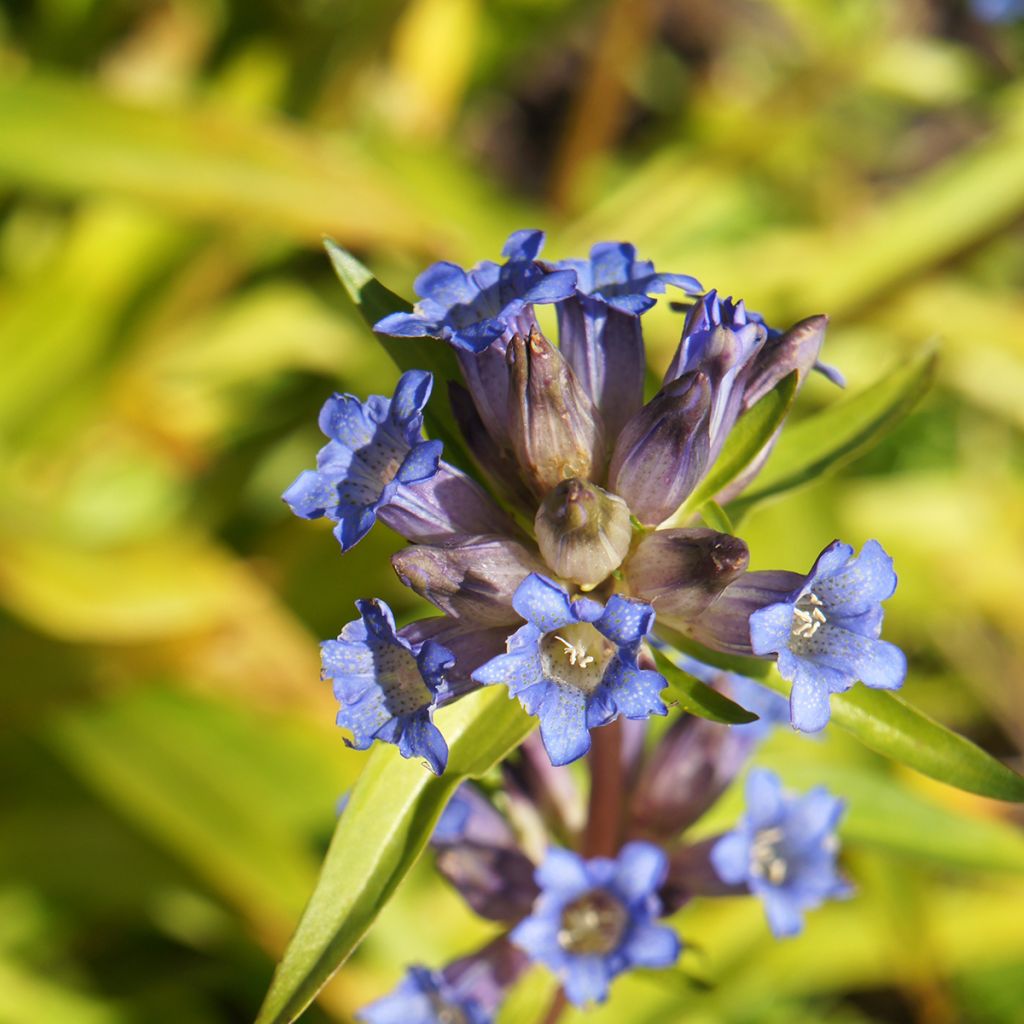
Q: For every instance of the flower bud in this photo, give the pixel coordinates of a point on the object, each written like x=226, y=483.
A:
x=686, y=773
x=796, y=349
x=555, y=428
x=471, y=578
x=662, y=451
x=583, y=531
x=725, y=624
x=681, y=572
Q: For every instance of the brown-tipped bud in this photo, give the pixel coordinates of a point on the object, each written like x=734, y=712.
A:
x=681, y=572
x=796, y=349
x=555, y=428
x=583, y=532
x=469, y=577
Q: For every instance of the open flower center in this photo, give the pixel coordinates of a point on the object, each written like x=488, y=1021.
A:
x=594, y=923
x=445, y=1012
x=400, y=681
x=766, y=856
x=576, y=656
x=808, y=616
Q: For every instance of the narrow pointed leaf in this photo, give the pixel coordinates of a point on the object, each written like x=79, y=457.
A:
x=384, y=828
x=698, y=698
x=753, y=430
x=374, y=301
x=889, y=725
x=838, y=434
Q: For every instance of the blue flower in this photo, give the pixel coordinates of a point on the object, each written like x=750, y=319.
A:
x=376, y=448
x=826, y=632
x=595, y=919
x=387, y=686
x=574, y=664
x=425, y=997
x=614, y=275
x=473, y=308
x=784, y=849
x=998, y=10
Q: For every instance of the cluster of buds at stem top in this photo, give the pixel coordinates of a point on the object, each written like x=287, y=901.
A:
x=556, y=590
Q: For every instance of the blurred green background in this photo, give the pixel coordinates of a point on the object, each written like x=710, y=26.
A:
x=169, y=327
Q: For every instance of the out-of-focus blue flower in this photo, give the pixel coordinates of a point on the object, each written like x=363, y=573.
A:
x=825, y=633
x=574, y=664
x=387, y=686
x=425, y=997
x=784, y=849
x=375, y=448
x=473, y=308
x=595, y=919
x=614, y=275
x=998, y=10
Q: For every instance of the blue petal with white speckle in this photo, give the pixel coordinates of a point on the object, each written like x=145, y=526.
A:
x=386, y=686
x=375, y=449
x=574, y=664
x=826, y=634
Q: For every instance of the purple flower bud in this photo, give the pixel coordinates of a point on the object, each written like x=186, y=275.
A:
x=468, y=577
x=687, y=771
x=448, y=503
x=555, y=428
x=485, y=976
x=477, y=852
x=796, y=349
x=583, y=531
x=680, y=572
x=662, y=451
x=725, y=624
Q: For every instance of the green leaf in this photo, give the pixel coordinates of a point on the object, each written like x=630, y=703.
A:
x=698, y=698
x=374, y=301
x=715, y=517
x=839, y=433
x=747, y=439
x=889, y=725
x=384, y=828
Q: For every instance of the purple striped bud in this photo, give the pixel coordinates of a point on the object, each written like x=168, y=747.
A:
x=796, y=349
x=555, y=428
x=685, y=774
x=725, y=624
x=469, y=577
x=662, y=451
x=583, y=531
x=680, y=572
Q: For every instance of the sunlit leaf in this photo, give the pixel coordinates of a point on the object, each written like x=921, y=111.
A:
x=385, y=826
x=698, y=698
x=889, y=725
x=831, y=438
x=374, y=301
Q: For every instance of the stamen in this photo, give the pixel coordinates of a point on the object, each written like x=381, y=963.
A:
x=577, y=653
x=808, y=616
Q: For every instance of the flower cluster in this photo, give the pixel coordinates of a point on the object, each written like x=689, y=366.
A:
x=562, y=556
x=589, y=919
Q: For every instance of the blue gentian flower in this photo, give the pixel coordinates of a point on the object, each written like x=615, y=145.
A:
x=386, y=685
x=473, y=308
x=614, y=275
x=825, y=633
x=599, y=329
x=425, y=997
x=784, y=849
x=595, y=919
x=376, y=447
x=997, y=11
x=574, y=664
